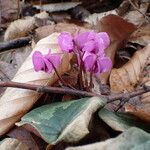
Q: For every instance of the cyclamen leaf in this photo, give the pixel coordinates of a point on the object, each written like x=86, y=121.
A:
x=132, y=139
x=121, y=121
x=63, y=121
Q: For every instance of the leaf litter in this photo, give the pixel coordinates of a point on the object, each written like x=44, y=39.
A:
x=129, y=26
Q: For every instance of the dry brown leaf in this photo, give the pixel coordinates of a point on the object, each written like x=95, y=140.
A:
x=44, y=31
x=141, y=35
x=128, y=76
x=24, y=136
x=21, y=100
x=12, y=144
x=135, y=16
x=92, y=19
x=8, y=10
x=118, y=30
x=22, y=27
x=138, y=112
x=142, y=110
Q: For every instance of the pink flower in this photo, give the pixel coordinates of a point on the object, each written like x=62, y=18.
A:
x=45, y=63
x=92, y=41
x=65, y=41
x=95, y=63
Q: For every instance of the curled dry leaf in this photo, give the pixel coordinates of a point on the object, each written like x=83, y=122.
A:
x=22, y=27
x=118, y=29
x=21, y=100
x=141, y=35
x=143, y=111
x=128, y=76
x=63, y=121
x=132, y=139
x=12, y=144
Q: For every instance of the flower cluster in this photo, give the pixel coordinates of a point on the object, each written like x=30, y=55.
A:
x=89, y=48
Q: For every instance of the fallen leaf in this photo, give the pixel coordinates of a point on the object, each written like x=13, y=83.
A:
x=44, y=31
x=54, y=7
x=119, y=30
x=22, y=27
x=132, y=139
x=94, y=18
x=135, y=16
x=8, y=10
x=23, y=136
x=128, y=76
x=12, y=144
x=138, y=112
x=121, y=121
x=21, y=100
x=63, y=121
x=141, y=35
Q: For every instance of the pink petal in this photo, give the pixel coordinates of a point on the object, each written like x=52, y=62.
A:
x=89, y=46
x=105, y=37
x=89, y=60
x=38, y=61
x=48, y=66
x=104, y=63
x=80, y=39
x=65, y=41
x=53, y=59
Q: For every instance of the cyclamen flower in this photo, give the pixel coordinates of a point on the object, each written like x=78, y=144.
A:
x=96, y=64
x=65, y=41
x=92, y=41
x=45, y=63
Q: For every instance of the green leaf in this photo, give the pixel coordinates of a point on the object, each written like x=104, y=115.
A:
x=121, y=121
x=63, y=121
x=132, y=139
x=12, y=144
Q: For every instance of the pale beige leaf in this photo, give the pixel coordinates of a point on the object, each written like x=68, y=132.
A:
x=135, y=16
x=22, y=27
x=92, y=19
x=142, y=111
x=12, y=144
x=16, y=102
x=141, y=35
x=128, y=76
x=54, y=7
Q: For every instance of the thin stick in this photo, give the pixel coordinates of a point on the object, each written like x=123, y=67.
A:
x=16, y=43
x=47, y=89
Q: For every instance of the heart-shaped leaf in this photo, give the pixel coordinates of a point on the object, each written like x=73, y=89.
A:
x=132, y=139
x=121, y=121
x=63, y=121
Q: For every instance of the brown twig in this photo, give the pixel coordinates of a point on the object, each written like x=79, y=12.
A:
x=47, y=89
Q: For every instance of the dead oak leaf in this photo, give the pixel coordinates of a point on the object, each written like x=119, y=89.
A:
x=128, y=76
